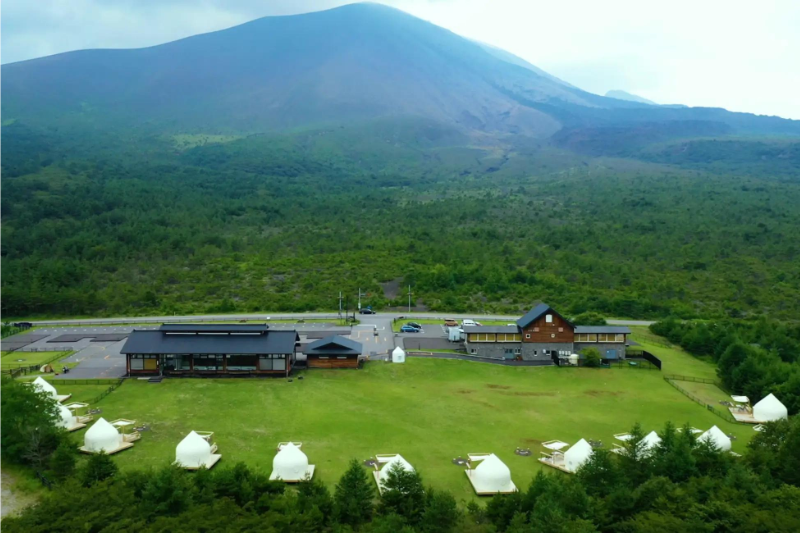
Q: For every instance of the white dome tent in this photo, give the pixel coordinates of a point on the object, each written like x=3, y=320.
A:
x=718, y=438
x=103, y=437
x=67, y=419
x=577, y=455
x=291, y=464
x=398, y=355
x=650, y=441
x=770, y=409
x=195, y=452
x=384, y=463
x=491, y=476
x=43, y=386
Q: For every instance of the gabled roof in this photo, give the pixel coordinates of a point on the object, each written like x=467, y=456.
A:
x=602, y=329
x=335, y=344
x=537, y=312
x=160, y=342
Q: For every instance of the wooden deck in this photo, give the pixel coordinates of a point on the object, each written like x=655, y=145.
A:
x=309, y=475
x=214, y=459
x=123, y=446
x=557, y=466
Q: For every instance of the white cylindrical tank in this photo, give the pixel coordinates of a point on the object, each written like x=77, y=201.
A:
x=102, y=436
x=193, y=451
x=492, y=475
x=398, y=355
x=65, y=418
x=44, y=386
x=573, y=359
x=290, y=464
x=770, y=409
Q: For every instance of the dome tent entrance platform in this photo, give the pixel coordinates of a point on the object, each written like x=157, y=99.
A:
x=768, y=409
x=384, y=463
x=80, y=411
x=127, y=429
x=571, y=460
x=196, y=451
x=103, y=437
x=290, y=464
x=68, y=420
x=491, y=476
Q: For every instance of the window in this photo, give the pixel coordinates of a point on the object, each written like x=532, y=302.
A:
x=183, y=362
x=535, y=330
x=560, y=330
x=586, y=337
x=137, y=363
x=611, y=337
x=341, y=357
x=207, y=362
x=508, y=337
x=508, y=351
x=548, y=318
x=280, y=363
x=242, y=362
x=482, y=337
x=473, y=350
x=517, y=351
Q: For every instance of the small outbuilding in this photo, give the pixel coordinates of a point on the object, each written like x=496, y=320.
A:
x=491, y=476
x=195, y=452
x=398, y=355
x=290, y=464
x=770, y=409
x=718, y=438
x=43, y=386
x=333, y=352
x=103, y=437
x=68, y=420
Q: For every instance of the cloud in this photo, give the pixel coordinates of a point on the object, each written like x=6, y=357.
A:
x=740, y=55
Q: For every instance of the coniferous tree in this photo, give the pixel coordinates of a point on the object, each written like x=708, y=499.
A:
x=353, y=497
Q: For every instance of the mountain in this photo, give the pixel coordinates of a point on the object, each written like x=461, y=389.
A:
x=358, y=62
x=628, y=97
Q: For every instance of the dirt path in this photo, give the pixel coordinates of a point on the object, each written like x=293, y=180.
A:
x=12, y=501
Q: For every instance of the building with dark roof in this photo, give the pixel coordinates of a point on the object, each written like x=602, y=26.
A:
x=543, y=334
x=334, y=351
x=210, y=349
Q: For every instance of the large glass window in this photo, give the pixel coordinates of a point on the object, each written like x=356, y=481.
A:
x=482, y=337
x=279, y=364
x=137, y=363
x=265, y=362
x=509, y=337
x=181, y=362
x=207, y=362
x=586, y=337
x=611, y=337
x=242, y=362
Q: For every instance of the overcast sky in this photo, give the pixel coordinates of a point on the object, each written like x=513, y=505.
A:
x=743, y=55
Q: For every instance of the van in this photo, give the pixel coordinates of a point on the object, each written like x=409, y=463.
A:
x=468, y=322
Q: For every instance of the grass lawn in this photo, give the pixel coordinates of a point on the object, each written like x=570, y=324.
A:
x=707, y=392
x=674, y=359
x=18, y=359
x=429, y=410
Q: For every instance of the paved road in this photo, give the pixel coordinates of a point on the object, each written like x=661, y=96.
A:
x=291, y=317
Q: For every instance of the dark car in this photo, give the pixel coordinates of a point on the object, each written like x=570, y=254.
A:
x=409, y=329
x=414, y=325
x=367, y=311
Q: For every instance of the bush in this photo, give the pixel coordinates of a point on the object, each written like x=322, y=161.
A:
x=591, y=357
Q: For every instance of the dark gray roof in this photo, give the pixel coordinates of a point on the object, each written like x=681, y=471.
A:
x=159, y=342
x=535, y=313
x=602, y=329
x=335, y=344
x=214, y=328
x=490, y=329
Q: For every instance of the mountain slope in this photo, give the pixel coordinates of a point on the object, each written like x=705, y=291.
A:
x=354, y=63
x=628, y=97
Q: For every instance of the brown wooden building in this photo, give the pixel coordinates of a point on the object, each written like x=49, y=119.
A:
x=210, y=350
x=333, y=352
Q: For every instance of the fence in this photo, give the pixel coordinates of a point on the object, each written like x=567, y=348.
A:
x=673, y=379
x=113, y=384
x=24, y=368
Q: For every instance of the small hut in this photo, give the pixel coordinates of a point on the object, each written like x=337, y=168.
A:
x=398, y=355
x=770, y=409
x=103, y=437
x=195, y=452
x=718, y=438
x=388, y=461
x=290, y=464
x=491, y=476
x=43, y=386
x=68, y=420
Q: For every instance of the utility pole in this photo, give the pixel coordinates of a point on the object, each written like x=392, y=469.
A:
x=340, y=305
x=359, y=298
x=409, y=298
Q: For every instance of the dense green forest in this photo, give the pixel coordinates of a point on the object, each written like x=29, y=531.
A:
x=680, y=485
x=131, y=224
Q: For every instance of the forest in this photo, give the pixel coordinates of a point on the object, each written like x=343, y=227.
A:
x=127, y=224
x=680, y=485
